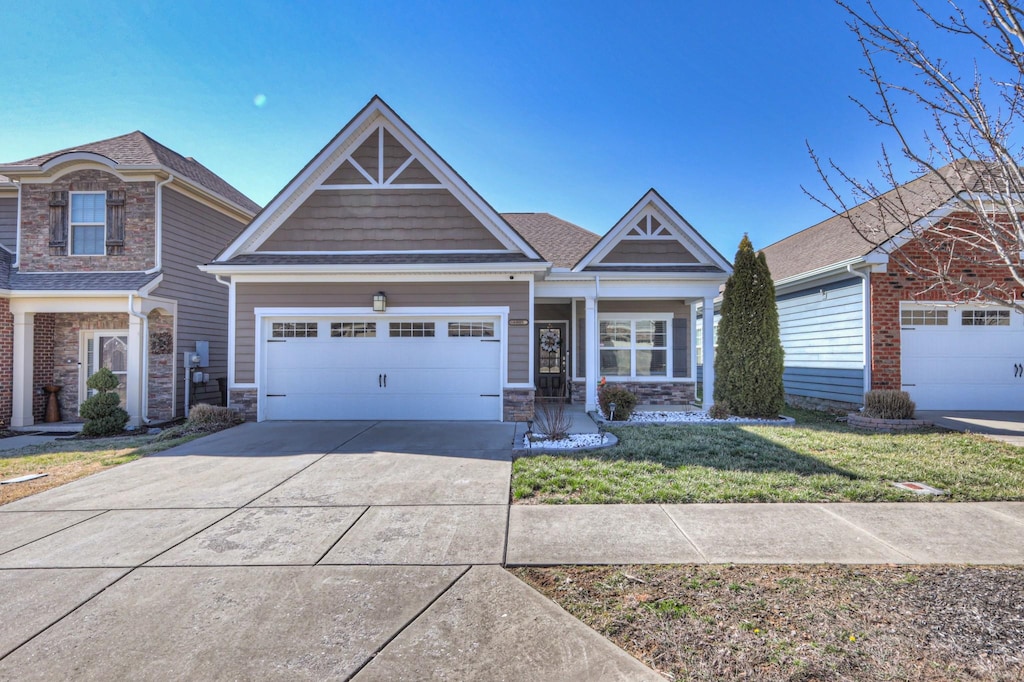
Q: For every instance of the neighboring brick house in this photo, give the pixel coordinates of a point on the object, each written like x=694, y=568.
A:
x=851, y=319
x=99, y=248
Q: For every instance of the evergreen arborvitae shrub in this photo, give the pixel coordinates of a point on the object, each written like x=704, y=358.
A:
x=102, y=415
x=748, y=360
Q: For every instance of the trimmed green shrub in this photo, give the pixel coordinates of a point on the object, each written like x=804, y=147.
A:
x=888, y=404
x=102, y=415
x=625, y=401
x=748, y=360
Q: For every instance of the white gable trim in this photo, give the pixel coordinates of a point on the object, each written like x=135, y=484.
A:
x=365, y=123
x=671, y=221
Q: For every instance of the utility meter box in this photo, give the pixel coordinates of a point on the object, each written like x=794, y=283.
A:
x=203, y=351
x=190, y=360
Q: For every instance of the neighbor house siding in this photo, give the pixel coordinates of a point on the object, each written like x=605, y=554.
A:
x=514, y=294
x=9, y=223
x=194, y=234
x=381, y=220
x=822, y=333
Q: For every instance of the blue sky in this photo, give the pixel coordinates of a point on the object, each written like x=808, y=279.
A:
x=571, y=108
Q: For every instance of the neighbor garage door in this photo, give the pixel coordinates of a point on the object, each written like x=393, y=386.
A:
x=963, y=358
x=382, y=368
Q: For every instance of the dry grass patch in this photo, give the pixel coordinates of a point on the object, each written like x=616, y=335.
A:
x=803, y=622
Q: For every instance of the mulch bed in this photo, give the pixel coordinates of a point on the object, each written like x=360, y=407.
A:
x=803, y=622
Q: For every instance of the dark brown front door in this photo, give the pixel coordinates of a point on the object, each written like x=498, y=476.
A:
x=551, y=341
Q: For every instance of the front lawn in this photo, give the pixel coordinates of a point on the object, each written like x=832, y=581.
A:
x=818, y=460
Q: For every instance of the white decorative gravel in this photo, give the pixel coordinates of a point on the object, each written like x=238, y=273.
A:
x=694, y=417
x=574, y=441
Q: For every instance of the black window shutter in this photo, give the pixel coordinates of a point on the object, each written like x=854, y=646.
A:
x=680, y=347
x=58, y=223
x=115, y=222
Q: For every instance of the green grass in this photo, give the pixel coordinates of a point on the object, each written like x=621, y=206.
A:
x=818, y=460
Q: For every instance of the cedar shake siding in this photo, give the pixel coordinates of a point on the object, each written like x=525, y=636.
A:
x=192, y=234
x=514, y=294
x=649, y=251
x=381, y=220
x=139, y=230
x=9, y=223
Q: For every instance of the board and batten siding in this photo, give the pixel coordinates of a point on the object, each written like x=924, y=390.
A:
x=249, y=296
x=193, y=234
x=822, y=333
x=9, y=223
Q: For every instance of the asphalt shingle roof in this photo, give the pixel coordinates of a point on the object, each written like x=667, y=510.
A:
x=138, y=149
x=78, y=281
x=558, y=241
x=835, y=240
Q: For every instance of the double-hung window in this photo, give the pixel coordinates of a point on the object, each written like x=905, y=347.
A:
x=88, y=223
x=634, y=347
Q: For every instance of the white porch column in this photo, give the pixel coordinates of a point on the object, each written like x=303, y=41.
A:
x=590, y=324
x=135, y=381
x=24, y=342
x=709, y=351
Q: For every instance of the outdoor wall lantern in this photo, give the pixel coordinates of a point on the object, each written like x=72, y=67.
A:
x=380, y=302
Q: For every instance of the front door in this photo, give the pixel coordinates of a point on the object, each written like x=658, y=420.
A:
x=110, y=350
x=551, y=341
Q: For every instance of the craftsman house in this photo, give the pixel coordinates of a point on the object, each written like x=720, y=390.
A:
x=379, y=285
x=99, y=247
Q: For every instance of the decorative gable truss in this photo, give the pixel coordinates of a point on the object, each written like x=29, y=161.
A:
x=652, y=235
x=377, y=187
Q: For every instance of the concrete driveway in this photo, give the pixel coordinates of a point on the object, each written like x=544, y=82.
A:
x=358, y=550
x=1004, y=426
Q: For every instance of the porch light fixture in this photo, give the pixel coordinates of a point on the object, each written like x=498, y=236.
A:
x=380, y=302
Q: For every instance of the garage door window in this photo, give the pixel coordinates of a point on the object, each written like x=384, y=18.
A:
x=354, y=330
x=412, y=329
x=925, y=318
x=472, y=329
x=293, y=330
x=985, y=318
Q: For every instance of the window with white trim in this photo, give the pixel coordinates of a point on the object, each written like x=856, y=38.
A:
x=88, y=224
x=473, y=329
x=634, y=347
x=354, y=330
x=293, y=330
x=985, y=318
x=924, y=318
x=411, y=329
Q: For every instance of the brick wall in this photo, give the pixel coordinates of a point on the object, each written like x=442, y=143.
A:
x=6, y=362
x=518, y=404
x=139, y=229
x=42, y=362
x=67, y=352
x=244, y=400
x=889, y=288
x=161, y=366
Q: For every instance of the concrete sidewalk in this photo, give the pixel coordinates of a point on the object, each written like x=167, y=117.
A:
x=847, y=533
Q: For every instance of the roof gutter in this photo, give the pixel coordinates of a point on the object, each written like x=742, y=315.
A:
x=335, y=268
x=832, y=269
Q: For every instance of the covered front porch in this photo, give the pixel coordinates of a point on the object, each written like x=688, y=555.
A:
x=60, y=341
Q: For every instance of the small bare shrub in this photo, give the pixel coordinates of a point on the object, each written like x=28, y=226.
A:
x=625, y=402
x=719, y=410
x=888, y=404
x=213, y=415
x=551, y=419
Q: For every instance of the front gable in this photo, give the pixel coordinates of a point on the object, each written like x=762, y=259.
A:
x=378, y=187
x=652, y=235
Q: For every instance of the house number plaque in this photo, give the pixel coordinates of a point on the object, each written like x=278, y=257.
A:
x=518, y=323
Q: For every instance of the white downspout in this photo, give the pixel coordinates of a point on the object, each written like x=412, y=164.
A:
x=158, y=236
x=144, y=406
x=866, y=294
x=17, y=233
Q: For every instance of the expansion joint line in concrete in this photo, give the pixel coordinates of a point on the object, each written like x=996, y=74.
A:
x=871, y=535
x=59, y=530
x=1002, y=515
x=685, y=535
x=412, y=620
x=351, y=438
x=346, y=531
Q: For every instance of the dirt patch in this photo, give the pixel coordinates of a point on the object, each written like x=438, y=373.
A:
x=803, y=622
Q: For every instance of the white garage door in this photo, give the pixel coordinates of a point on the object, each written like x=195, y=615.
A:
x=382, y=368
x=963, y=358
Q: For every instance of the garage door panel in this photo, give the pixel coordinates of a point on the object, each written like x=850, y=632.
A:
x=343, y=378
